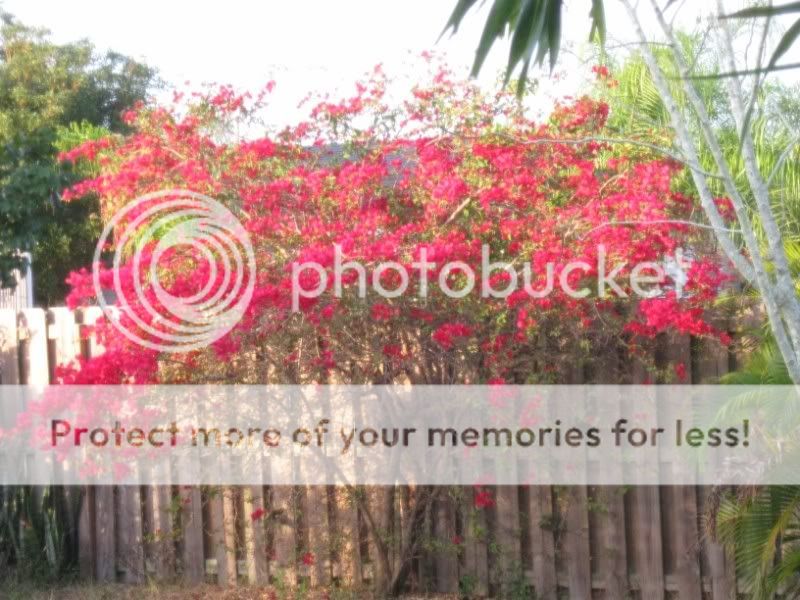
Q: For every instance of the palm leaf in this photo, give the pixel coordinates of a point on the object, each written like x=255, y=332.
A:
x=598, y=16
x=460, y=11
x=764, y=11
x=753, y=527
x=786, y=42
x=501, y=15
x=535, y=27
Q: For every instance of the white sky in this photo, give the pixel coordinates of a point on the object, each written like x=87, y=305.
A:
x=305, y=45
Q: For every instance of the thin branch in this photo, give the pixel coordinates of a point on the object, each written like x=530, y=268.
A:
x=700, y=47
x=458, y=209
x=676, y=12
x=737, y=73
x=762, y=47
x=689, y=149
x=781, y=293
x=704, y=121
x=634, y=43
x=662, y=222
x=608, y=140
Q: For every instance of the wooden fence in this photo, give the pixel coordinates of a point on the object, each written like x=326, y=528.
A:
x=572, y=542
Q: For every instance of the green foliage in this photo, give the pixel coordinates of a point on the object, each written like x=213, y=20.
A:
x=52, y=97
x=636, y=104
x=513, y=583
x=27, y=191
x=764, y=530
x=38, y=531
x=67, y=237
x=765, y=366
x=534, y=27
x=535, y=30
x=467, y=584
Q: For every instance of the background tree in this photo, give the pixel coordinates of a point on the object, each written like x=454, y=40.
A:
x=53, y=97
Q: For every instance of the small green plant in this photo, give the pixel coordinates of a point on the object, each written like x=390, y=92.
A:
x=467, y=585
x=38, y=531
x=280, y=584
x=515, y=585
x=520, y=589
x=341, y=593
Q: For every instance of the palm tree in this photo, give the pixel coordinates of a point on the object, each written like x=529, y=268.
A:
x=535, y=30
x=763, y=528
x=534, y=27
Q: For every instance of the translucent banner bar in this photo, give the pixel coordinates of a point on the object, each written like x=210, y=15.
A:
x=376, y=435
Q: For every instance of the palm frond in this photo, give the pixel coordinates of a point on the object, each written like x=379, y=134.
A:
x=534, y=27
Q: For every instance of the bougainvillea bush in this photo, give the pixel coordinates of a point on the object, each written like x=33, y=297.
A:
x=443, y=171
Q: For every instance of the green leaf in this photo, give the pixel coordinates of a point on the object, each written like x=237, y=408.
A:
x=764, y=11
x=461, y=9
x=527, y=34
x=786, y=42
x=523, y=77
x=501, y=14
x=535, y=27
x=554, y=31
x=598, y=15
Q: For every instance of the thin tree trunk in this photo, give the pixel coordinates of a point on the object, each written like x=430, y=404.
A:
x=774, y=296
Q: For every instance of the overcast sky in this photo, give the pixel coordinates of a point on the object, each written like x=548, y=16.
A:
x=305, y=45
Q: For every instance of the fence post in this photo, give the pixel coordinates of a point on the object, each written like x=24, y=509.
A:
x=476, y=549
x=282, y=520
x=711, y=363
x=506, y=532
x=610, y=542
x=159, y=526
x=444, y=526
x=346, y=538
x=99, y=502
x=645, y=524
x=33, y=329
x=216, y=520
x=62, y=332
x=130, y=548
x=576, y=537
x=9, y=359
x=682, y=509
x=543, y=548
x=254, y=538
x=191, y=511
x=316, y=511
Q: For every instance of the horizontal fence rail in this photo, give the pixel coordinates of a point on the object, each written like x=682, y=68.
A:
x=582, y=542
